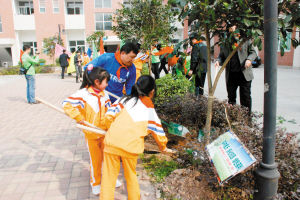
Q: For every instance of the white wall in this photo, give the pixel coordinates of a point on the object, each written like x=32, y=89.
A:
x=75, y=35
x=24, y=22
x=74, y=22
x=296, y=61
x=26, y=36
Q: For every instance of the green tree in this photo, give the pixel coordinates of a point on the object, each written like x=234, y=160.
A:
x=145, y=21
x=211, y=18
x=95, y=38
x=49, y=46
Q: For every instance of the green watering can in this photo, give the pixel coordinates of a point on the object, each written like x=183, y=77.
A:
x=176, y=129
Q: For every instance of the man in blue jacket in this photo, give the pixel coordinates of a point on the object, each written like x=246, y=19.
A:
x=120, y=67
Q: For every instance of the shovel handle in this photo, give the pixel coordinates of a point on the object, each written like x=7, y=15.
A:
x=62, y=111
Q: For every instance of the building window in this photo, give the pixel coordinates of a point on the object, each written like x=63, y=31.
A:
x=0, y=25
x=288, y=43
x=103, y=3
x=127, y=3
x=103, y=21
x=25, y=8
x=55, y=6
x=75, y=45
x=42, y=6
x=74, y=7
x=33, y=47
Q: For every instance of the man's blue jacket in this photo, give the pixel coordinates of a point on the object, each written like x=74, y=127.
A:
x=115, y=85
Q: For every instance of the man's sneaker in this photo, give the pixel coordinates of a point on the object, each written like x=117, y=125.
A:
x=118, y=183
x=96, y=190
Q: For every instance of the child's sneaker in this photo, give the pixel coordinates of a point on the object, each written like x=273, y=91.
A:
x=96, y=189
x=118, y=183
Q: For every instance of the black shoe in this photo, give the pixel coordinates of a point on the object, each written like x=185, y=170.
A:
x=36, y=102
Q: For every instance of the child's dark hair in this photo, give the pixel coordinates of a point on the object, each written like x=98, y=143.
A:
x=89, y=77
x=143, y=86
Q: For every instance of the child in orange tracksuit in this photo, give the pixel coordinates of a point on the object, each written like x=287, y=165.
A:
x=128, y=121
x=90, y=104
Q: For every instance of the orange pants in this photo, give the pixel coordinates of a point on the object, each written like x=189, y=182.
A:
x=111, y=168
x=95, y=148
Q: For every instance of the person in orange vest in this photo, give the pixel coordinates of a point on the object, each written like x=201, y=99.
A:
x=139, y=61
x=128, y=121
x=198, y=63
x=166, y=51
x=90, y=104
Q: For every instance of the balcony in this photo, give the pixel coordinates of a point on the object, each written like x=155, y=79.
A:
x=24, y=22
x=74, y=22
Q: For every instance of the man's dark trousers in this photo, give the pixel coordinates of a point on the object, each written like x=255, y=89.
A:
x=235, y=80
x=199, y=83
x=63, y=68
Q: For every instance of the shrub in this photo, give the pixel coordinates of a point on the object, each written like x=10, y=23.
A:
x=14, y=70
x=10, y=70
x=191, y=112
x=44, y=69
x=57, y=62
x=42, y=61
x=145, y=69
x=170, y=86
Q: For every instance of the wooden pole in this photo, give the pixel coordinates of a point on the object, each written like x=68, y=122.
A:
x=113, y=95
x=92, y=127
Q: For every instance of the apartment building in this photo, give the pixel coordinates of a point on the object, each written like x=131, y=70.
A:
x=30, y=21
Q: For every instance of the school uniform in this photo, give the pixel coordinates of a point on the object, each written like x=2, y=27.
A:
x=90, y=104
x=128, y=123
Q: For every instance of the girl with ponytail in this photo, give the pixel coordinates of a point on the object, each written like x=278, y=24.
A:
x=128, y=121
x=90, y=104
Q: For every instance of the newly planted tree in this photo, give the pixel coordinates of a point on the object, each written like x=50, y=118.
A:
x=145, y=21
x=49, y=45
x=95, y=38
x=211, y=18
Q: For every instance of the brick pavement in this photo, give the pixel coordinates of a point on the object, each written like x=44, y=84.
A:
x=42, y=154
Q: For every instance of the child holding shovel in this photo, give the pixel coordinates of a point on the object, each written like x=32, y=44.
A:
x=90, y=104
x=128, y=121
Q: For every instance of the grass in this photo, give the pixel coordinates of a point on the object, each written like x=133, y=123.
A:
x=157, y=168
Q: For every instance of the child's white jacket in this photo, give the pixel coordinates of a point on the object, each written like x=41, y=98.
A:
x=88, y=105
x=128, y=123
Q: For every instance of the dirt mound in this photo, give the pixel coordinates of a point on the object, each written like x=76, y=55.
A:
x=188, y=184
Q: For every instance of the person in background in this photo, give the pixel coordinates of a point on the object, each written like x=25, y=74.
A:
x=139, y=62
x=155, y=60
x=78, y=67
x=198, y=65
x=120, y=67
x=86, y=59
x=63, y=61
x=29, y=63
x=238, y=71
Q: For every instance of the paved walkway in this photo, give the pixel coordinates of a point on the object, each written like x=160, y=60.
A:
x=42, y=155
x=288, y=95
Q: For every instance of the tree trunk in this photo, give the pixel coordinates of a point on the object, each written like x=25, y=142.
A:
x=211, y=88
x=210, y=94
x=150, y=62
x=207, y=127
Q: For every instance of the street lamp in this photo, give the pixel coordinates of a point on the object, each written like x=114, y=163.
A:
x=267, y=175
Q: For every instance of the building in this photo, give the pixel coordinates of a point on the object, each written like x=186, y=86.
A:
x=30, y=21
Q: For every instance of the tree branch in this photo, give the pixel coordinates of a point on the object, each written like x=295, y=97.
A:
x=225, y=64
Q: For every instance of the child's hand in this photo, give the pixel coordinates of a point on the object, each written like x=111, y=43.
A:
x=81, y=122
x=167, y=150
